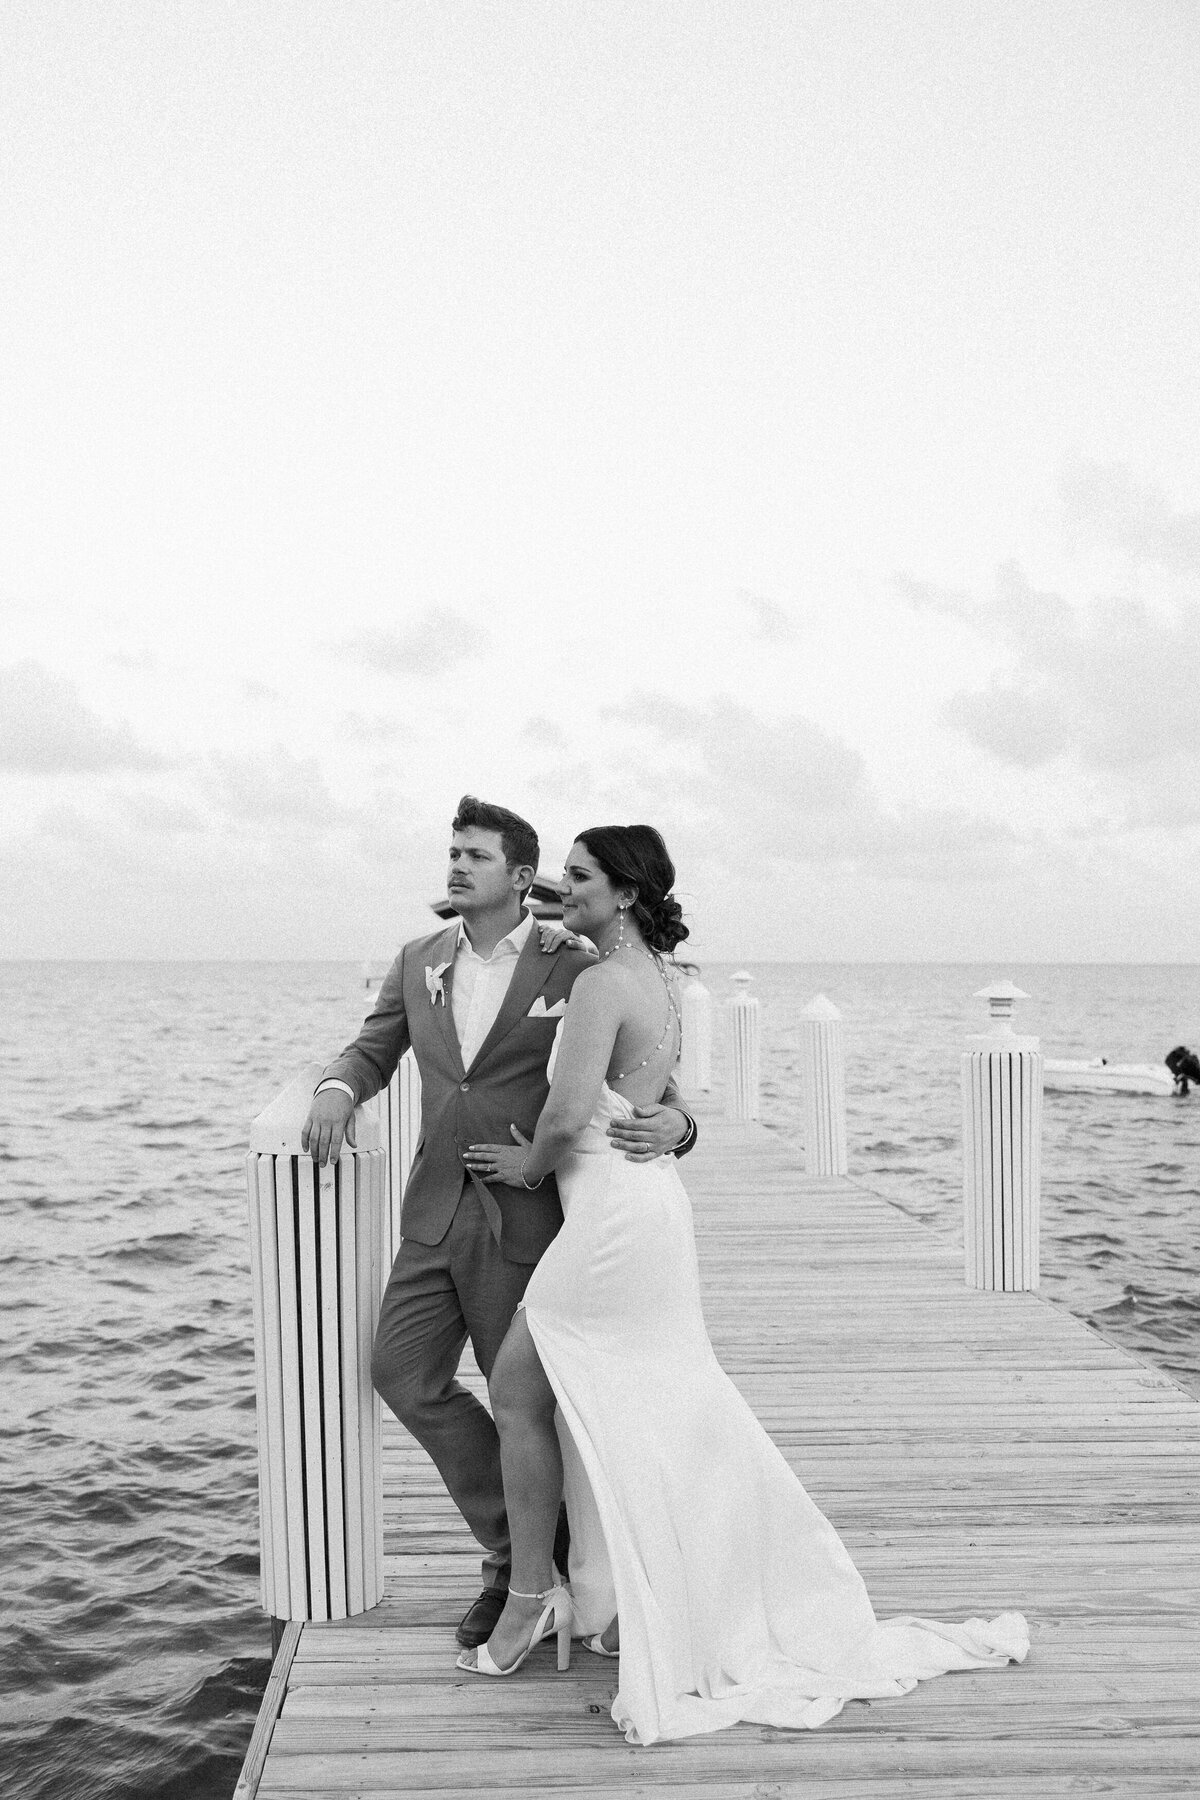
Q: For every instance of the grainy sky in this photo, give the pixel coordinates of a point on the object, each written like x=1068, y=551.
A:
x=778, y=421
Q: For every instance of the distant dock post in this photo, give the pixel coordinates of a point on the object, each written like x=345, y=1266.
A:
x=319, y=1242
x=1002, y=1131
x=695, y=1054
x=823, y=1059
x=744, y=1016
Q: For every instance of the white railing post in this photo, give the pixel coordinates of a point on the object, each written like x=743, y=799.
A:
x=318, y=1246
x=400, y=1120
x=823, y=1059
x=1002, y=1130
x=742, y=1073
x=695, y=1053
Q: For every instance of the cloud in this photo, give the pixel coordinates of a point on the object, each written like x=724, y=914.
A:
x=362, y=729
x=45, y=728
x=1114, y=682
x=153, y=813
x=543, y=731
x=1109, y=502
x=928, y=596
x=144, y=661
x=756, y=793
x=771, y=623
x=439, y=640
x=812, y=771
x=279, y=789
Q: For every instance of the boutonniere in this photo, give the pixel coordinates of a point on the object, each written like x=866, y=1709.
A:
x=433, y=981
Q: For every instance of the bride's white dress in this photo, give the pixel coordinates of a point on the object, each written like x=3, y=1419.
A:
x=737, y=1599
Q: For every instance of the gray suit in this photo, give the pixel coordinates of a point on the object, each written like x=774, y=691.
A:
x=467, y=1250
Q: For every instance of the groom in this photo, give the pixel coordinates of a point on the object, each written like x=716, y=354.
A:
x=478, y=1002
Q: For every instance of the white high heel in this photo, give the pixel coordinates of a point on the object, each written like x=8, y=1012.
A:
x=555, y=1617
x=597, y=1646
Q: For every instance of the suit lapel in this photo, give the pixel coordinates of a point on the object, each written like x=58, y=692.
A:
x=444, y=951
x=529, y=978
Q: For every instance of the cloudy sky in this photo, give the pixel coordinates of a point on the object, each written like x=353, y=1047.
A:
x=775, y=419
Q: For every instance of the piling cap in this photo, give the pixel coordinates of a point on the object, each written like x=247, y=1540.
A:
x=1001, y=997
x=821, y=1008
x=276, y=1130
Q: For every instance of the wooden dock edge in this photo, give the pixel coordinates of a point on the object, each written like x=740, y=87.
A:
x=268, y=1713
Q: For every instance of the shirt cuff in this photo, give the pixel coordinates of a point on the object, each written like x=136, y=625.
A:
x=332, y=1081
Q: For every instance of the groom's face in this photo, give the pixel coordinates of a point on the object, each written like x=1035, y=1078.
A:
x=478, y=879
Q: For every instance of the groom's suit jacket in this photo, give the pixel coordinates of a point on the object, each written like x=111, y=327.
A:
x=505, y=1085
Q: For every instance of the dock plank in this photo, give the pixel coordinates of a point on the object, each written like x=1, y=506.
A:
x=977, y=1452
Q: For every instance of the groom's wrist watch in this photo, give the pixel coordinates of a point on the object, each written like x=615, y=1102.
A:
x=689, y=1137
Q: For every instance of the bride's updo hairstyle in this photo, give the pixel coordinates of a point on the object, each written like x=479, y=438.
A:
x=635, y=856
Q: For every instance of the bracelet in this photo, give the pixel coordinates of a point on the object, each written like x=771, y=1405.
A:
x=524, y=1183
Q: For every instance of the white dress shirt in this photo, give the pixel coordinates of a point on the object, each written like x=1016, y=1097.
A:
x=477, y=992
x=480, y=984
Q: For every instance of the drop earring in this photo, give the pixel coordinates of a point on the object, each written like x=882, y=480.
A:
x=604, y=954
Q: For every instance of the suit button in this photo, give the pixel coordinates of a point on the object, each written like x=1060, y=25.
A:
x=465, y=1087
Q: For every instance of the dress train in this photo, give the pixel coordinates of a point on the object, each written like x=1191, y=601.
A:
x=737, y=1599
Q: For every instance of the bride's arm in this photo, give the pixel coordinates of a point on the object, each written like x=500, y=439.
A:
x=589, y=1031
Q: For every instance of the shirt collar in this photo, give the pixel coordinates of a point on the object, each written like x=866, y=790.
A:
x=516, y=938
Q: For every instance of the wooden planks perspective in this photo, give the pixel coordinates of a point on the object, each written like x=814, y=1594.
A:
x=977, y=1452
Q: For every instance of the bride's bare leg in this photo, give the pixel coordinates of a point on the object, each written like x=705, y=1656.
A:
x=531, y=1461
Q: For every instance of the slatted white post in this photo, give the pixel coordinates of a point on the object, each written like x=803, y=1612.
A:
x=742, y=1071
x=1002, y=1132
x=695, y=1054
x=823, y=1059
x=400, y=1118
x=317, y=1254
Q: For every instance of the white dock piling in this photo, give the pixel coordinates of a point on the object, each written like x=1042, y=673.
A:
x=1002, y=1130
x=744, y=1031
x=317, y=1251
x=823, y=1060
x=695, y=1055
x=400, y=1120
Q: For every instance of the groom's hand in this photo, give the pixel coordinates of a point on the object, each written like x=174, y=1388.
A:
x=652, y=1131
x=330, y=1119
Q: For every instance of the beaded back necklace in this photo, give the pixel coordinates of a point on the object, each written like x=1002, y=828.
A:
x=672, y=1009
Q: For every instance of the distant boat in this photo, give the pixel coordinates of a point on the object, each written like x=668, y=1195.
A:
x=1099, y=1076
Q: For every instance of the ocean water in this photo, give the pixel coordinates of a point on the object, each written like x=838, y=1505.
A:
x=132, y=1650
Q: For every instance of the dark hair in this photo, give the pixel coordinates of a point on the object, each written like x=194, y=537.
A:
x=635, y=856
x=518, y=839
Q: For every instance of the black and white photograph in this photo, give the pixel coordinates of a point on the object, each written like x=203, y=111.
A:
x=600, y=899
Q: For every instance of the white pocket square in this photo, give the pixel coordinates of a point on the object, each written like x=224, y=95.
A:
x=539, y=1009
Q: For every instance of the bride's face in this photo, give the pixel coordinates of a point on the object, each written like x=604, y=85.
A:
x=590, y=900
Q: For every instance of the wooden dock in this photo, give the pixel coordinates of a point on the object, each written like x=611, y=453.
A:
x=977, y=1452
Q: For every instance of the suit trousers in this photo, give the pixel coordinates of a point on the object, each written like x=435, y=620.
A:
x=438, y=1296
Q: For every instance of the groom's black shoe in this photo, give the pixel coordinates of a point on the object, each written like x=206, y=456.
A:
x=562, y=1543
x=480, y=1620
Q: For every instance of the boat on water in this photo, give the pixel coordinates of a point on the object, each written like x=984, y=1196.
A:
x=1099, y=1076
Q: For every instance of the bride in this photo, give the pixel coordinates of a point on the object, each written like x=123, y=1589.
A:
x=694, y=1549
